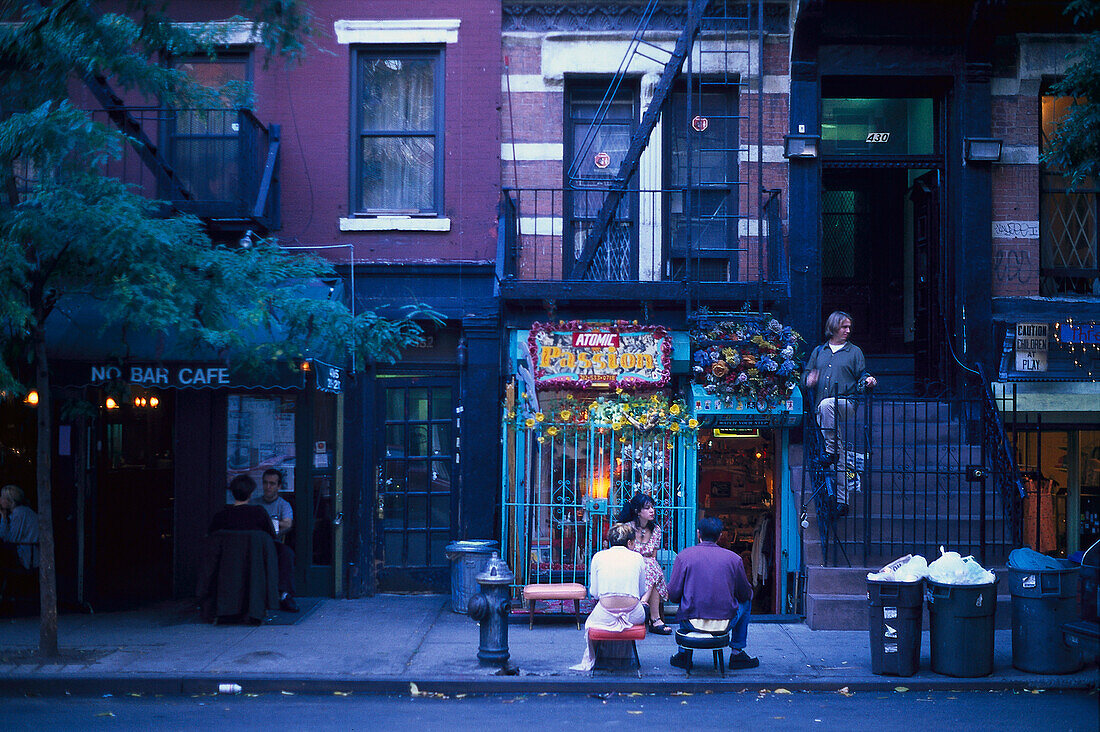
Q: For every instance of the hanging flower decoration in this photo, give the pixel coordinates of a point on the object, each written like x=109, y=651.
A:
x=750, y=358
x=619, y=412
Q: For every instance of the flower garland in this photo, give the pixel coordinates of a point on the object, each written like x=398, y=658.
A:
x=618, y=411
x=750, y=358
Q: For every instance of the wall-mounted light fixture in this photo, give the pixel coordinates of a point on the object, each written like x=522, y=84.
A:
x=801, y=146
x=981, y=149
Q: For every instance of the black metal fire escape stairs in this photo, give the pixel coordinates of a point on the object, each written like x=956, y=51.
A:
x=170, y=184
x=720, y=50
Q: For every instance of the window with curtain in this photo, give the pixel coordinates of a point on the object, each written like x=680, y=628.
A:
x=398, y=158
x=1068, y=262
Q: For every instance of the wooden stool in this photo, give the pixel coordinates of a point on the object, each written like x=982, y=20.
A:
x=558, y=591
x=702, y=641
x=601, y=638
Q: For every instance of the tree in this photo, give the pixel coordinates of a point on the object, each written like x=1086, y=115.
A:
x=68, y=229
x=1074, y=148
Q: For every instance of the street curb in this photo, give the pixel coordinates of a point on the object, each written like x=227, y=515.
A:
x=57, y=685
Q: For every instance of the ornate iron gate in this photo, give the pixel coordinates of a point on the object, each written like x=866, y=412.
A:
x=563, y=484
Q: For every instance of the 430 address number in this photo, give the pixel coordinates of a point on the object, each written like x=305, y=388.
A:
x=878, y=137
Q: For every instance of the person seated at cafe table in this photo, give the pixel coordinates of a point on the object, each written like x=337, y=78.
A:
x=18, y=533
x=617, y=582
x=243, y=516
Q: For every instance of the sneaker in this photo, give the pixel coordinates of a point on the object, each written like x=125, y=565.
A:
x=740, y=659
x=288, y=604
x=681, y=660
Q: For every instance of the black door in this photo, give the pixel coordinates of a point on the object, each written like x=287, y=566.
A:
x=862, y=254
x=416, y=498
x=928, y=323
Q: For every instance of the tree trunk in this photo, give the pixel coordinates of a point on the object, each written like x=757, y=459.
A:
x=47, y=634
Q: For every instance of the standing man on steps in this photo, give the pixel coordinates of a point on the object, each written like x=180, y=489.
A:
x=836, y=370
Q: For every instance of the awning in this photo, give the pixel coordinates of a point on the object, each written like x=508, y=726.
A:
x=715, y=411
x=84, y=353
x=1073, y=397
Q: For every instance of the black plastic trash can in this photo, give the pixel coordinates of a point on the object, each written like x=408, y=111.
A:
x=960, y=623
x=468, y=559
x=894, y=612
x=1042, y=600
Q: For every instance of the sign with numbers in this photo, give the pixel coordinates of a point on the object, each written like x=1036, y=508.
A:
x=878, y=137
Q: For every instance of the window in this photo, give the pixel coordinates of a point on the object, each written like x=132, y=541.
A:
x=703, y=204
x=398, y=146
x=1068, y=263
x=206, y=143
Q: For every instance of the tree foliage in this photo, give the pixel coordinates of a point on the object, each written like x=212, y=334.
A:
x=1074, y=147
x=68, y=229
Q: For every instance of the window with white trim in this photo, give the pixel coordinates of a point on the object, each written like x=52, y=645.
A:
x=397, y=151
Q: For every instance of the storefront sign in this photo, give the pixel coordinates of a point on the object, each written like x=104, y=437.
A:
x=1031, y=346
x=585, y=355
x=329, y=378
x=1086, y=333
x=162, y=376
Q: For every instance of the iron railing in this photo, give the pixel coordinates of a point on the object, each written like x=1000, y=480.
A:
x=226, y=163
x=920, y=473
x=543, y=230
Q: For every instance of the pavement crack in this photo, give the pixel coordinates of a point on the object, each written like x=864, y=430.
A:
x=424, y=636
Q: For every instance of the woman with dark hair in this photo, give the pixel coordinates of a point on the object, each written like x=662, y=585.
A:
x=640, y=511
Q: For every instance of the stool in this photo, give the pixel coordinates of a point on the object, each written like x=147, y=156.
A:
x=701, y=641
x=599, y=638
x=557, y=591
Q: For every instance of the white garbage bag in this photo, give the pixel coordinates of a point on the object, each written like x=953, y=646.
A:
x=910, y=568
x=953, y=569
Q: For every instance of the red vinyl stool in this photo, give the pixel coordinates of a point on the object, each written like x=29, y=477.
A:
x=606, y=643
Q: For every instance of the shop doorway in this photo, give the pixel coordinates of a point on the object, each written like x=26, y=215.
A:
x=133, y=501
x=416, y=496
x=736, y=483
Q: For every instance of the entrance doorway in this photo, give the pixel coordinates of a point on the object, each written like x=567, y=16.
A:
x=737, y=485
x=132, y=519
x=415, y=504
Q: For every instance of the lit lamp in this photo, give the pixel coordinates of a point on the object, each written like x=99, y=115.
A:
x=800, y=146
x=981, y=149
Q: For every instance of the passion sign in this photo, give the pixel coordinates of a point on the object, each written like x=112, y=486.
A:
x=580, y=355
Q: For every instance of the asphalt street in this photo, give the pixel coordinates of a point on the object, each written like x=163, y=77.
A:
x=744, y=709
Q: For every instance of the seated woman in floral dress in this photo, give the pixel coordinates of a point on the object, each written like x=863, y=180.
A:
x=640, y=511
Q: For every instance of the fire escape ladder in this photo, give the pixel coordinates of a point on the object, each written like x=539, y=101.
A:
x=640, y=139
x=147, y=150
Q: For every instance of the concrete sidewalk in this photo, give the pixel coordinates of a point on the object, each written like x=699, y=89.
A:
x=385, y=643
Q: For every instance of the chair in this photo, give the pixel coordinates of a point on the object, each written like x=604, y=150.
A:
x=695, y=640
x=239, y=576
x=608, y=646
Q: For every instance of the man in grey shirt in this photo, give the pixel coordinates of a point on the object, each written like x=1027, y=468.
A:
x=836, y=370
x=282, y=518
x=18, y=526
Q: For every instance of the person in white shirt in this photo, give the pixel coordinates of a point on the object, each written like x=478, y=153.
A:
x=617, y=582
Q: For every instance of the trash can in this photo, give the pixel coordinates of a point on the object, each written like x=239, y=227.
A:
x=960, y=624
x=1042, y=600
x=894, y=620
x=468, y=559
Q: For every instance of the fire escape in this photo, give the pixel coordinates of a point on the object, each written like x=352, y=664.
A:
x=220, y=164
x=711, y=219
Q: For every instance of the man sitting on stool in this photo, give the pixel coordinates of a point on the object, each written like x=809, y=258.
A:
x=282, y=518
x=714, y=593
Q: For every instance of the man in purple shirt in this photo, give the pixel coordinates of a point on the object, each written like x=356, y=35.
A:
x=714, y=594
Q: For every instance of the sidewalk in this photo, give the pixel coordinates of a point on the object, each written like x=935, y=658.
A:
x=385, y=643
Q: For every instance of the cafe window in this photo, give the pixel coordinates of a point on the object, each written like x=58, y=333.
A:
x=397, y=156
x=1068, y=261
x=261, y=437
x=878, y=127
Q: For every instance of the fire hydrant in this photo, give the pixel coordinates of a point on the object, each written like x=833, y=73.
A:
x=490, y=609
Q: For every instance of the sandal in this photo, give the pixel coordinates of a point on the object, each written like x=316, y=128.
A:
x=662, y=629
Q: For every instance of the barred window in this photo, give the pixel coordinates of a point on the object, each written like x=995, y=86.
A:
x=1068, y=263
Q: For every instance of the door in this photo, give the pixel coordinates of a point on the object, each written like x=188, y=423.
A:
x=928, y=323
x=862, y=254
x=416, y=497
